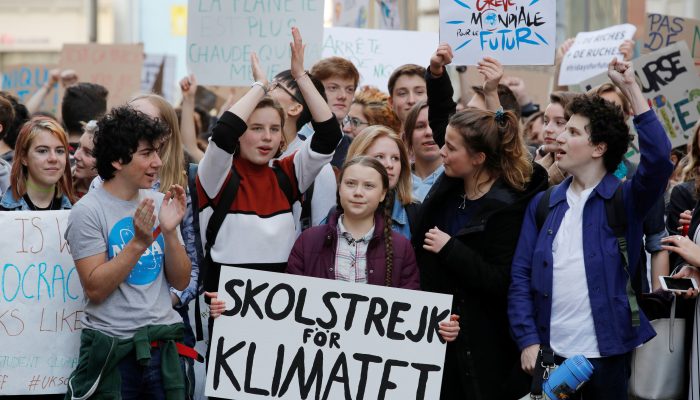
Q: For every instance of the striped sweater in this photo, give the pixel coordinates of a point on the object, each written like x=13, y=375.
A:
x=258, y=231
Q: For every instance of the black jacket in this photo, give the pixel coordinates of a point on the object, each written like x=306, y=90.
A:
x=474, y=267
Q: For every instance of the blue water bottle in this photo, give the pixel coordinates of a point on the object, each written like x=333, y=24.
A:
x=568, y=378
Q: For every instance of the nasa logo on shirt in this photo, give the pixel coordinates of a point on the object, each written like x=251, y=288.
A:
x=149, y=265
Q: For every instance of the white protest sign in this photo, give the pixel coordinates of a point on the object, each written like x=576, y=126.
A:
x=516, y=32
x=295, y=337
x=40, y=305
x=672, y=86
x=350, y=13
x=221, y=35
x=591, y=53
x=376, y=53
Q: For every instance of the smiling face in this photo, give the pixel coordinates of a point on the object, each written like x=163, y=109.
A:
x=360, y=191
x=408, y=90
x=386, y=151
x=84, y=160
x=424, y=147
x=46, y=159
x=339, y=93
x=261, y=141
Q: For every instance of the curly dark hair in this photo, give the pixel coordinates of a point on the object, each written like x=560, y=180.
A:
x=607, y=125
x=118, y=136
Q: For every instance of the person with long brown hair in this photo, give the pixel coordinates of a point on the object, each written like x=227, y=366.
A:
x=41, y=176
x=465, y=244
x=427, y=163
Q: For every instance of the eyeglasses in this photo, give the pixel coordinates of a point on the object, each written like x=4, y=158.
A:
x=355, y=122
x=277, y=84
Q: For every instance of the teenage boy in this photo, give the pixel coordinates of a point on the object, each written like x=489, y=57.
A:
x=340, y=79
x=127, y=253
x=571, y=295
x=406, y=88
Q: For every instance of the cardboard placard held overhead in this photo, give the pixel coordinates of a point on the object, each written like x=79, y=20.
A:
x=114, y=66
x=664, y=30
x=376, y=53
x=672, y=86
x=294, y=337
x=516, y=32
x=221, y=35
x=41, y=304
x=24, y=80
x=592, y=52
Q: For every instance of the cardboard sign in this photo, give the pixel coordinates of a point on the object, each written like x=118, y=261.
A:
x=221, y=35
x=24, y=80
x=671, y=85
x=376, y=53
x=592, y=52
x=665, y=30
x=157, y=75
x=40, y=305
x=114, y=66
x=294, y=337
x=516, y=32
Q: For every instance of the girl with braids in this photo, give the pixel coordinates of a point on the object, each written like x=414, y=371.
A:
x=387, y=147
x=358, y=242
x=470, y=223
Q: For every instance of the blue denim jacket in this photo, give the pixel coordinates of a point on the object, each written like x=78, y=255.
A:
x=9, y=202
x=529, y=300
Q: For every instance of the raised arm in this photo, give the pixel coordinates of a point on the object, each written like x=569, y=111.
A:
x=319, y=108
x=34, y=103
x=188, y=85
x=492, y=71
x=440, y=92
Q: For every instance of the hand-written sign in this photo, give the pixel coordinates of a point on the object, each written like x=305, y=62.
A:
x=221, y=35
x=592, y=51
x=295, y=337
x=516, y=32
x=376, y=53
x=672, y=87
x=114, y=66
x=664, y=30
x=40, y=305
x=24, y=80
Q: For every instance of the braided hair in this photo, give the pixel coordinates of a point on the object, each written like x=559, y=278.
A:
x=388, y=241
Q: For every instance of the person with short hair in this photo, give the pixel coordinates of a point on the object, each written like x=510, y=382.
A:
x=571, y=289
x=128, y=252
x=81, y=103
x=406, y=87
x=9, y=133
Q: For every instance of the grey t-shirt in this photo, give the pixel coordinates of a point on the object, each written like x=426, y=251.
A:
x=101, y=223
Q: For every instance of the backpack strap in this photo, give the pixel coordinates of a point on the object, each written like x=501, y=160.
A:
x=305, y=219
x=192, y=186
x=285, y=184
x=542, y=209
x=617, y=220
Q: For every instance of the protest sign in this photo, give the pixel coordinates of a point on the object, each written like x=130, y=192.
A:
x=350, y=13
x=114, y=66
x=516, y=32
x=376, y=53
x=295, y=337
x=158, y=75
x=40, y=305
x=591, y=53
x=665, y=30
x=222, y=35
x=672, y=87
x=24, y=80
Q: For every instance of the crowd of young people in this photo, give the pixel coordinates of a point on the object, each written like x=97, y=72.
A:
x=487, y=201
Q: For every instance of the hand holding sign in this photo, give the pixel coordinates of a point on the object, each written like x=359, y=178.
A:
x=297, y=48
x=216, y=305
x=442, y=56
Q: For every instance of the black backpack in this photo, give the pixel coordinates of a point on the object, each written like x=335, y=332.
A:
x=617, y=220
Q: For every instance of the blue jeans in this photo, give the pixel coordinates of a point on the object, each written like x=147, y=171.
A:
x=142, y=382
x=609, y=381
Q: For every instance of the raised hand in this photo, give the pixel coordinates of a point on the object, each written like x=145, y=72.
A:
x=188, y=85
x=564, y=48
x=173, y=209
x=517, y=86
x=144, y=220
x=258, y=73
x=492, y=71
x=442, y=56
x=297, y=47
x=627, y=49
x=68, y=78
x=621, y=73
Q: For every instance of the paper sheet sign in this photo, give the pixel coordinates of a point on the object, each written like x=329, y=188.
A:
x=516, y=32
x=221, y=35
x=376, y=53
x=592, y=52
x=40, y=305
x=294, y=337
